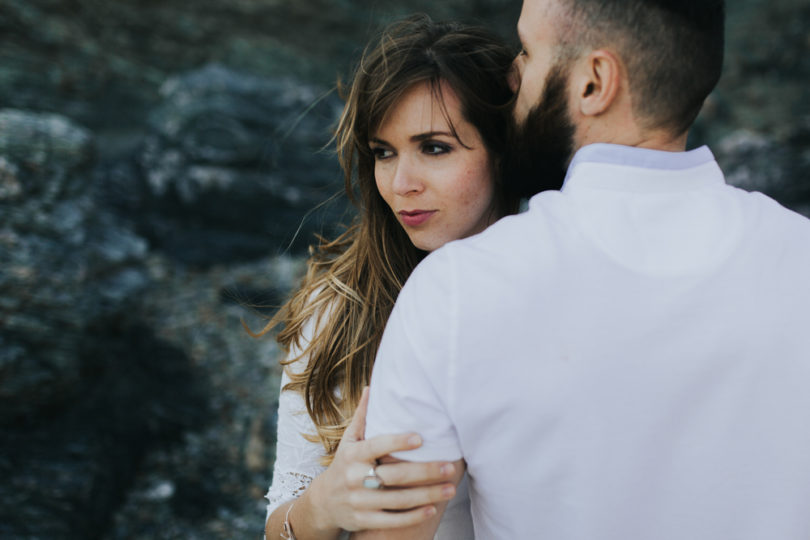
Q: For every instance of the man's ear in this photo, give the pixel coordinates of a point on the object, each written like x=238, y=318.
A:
x=596, y=80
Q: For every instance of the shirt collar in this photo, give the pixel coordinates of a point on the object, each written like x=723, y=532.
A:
x=631, y=167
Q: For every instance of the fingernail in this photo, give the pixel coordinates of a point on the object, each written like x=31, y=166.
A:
x=430, y=510
x=446, y=469
x=415, y=440
x=448, y=491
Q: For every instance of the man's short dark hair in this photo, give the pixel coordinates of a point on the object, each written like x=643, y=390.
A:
x=673, y=50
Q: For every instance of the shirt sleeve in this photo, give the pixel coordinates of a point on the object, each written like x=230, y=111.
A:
x=297, y=459
x=413, y=381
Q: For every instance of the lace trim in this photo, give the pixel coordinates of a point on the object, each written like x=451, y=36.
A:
x=288, y=486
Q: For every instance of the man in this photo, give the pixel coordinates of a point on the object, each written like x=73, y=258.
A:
x=630, y=358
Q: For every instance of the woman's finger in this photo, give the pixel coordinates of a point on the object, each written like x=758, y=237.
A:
x=395, y=520
x=408, y=473
x=382, y=445
x=404, y=498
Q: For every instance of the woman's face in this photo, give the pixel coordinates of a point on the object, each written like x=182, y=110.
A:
x=438, y=189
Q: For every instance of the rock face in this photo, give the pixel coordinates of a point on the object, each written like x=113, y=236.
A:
x=232, y=166
x=82, y=385
x=65, y=263
x=113, y=357
x=161, y=168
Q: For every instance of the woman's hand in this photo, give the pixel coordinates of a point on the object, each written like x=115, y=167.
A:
x=410, y=491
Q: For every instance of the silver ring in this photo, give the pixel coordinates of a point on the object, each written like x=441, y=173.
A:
x=371, y=480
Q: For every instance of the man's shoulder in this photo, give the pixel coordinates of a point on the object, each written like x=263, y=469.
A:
x=516, y=233
x=508, y=252
x=770, y=212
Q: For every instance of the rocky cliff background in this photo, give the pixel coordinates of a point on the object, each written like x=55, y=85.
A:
x=163, y=163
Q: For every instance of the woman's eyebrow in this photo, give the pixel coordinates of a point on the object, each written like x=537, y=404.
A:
x=415, y=138
x=430, y=135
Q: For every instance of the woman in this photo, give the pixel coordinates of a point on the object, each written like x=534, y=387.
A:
x=425, y=119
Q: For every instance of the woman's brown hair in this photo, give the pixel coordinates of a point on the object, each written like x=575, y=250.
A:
x=352, y=282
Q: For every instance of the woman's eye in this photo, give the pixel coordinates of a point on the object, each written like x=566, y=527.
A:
x=523, y=52
x=381, y=153
x=435, y=148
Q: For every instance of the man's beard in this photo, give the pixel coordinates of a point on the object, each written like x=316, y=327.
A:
x=541, y=146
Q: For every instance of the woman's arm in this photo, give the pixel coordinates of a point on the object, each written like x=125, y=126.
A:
x=297, y=459
x=336, y=500
x=301, y=512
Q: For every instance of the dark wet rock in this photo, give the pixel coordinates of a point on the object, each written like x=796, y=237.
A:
x=71, y=364
x=43, y=141
x=65, y=471
x=210, y=484
x=65, y=263
x=234, y=166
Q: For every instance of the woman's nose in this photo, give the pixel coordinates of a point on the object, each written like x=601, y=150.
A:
x=407, y=180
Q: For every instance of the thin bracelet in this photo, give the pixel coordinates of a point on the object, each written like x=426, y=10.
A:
x=286, y=529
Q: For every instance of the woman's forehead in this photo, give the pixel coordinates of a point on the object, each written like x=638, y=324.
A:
x=424, y=106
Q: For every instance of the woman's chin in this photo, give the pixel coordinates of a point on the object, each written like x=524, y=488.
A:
x=426, y=244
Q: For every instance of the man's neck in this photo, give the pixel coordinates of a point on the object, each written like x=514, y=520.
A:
x=620, y=126
x=662, y=141
x=651, y=140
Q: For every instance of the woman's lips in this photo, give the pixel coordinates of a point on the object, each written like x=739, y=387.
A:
x=413, y=218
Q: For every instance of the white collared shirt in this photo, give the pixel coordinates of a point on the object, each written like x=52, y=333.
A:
x=629, y=359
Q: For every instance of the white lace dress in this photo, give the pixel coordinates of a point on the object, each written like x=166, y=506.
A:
x=298, y=463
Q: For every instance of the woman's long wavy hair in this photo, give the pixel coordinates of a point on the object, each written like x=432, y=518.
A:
x=352, y=282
